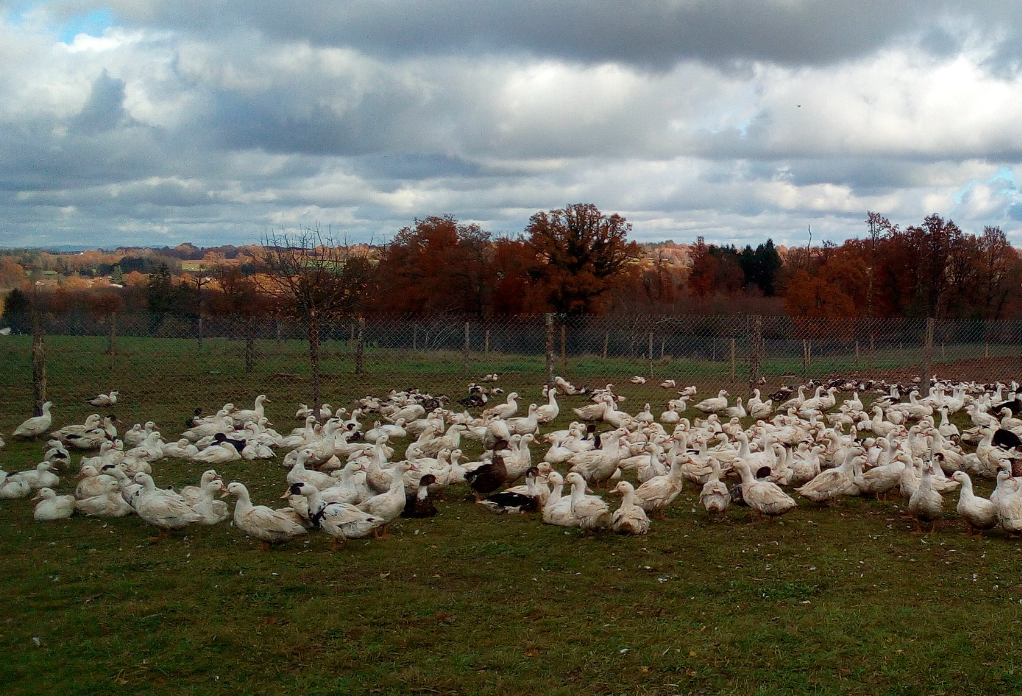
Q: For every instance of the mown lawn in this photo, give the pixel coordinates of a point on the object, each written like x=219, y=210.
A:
x=840, y=600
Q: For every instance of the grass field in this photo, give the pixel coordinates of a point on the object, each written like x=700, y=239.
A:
x=840, y=600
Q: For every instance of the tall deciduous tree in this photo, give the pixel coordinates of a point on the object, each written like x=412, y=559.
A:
x=581, y=254
x=998, y=273
x=715, y=270
x=316, y=281
x=437, y=265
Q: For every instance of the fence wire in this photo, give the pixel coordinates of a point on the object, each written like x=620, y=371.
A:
x=219, y=358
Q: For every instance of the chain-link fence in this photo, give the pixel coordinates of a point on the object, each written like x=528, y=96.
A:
x=215, y=359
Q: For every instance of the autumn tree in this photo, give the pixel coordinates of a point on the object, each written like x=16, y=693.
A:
x=436, y=265
x=237, y=295
x=316, y=281
x=715, y=270
x=12, y=273
x=513, y=290
x=998, y=273
x=581, y=254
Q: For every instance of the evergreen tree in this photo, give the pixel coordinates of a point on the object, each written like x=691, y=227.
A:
x=160, y=292
x=18, y=312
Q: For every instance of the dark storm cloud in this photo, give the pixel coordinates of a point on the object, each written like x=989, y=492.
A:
x=278, y=120
x=654, y=33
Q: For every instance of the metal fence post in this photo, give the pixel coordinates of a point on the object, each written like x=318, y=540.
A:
x=550, y=350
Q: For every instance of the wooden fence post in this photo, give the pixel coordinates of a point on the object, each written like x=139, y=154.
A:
x=360, y=345
x=606, y=343
x=38, y=357
x=486, y=346
x=550, y=350
x=924, y=383
x=756, y=351
x=733, y=355
x=112, y=341
x=564, y=350
x=649, y=354
x=467, y=348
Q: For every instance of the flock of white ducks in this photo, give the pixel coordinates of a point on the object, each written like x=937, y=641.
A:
x=344, y=479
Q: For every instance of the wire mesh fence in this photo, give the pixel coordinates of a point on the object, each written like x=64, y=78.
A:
x=225, y=357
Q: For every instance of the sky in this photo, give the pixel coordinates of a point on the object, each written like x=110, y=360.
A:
x=160, y=122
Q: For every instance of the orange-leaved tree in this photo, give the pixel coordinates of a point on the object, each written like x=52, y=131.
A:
x=581, y=254
x=436, y=265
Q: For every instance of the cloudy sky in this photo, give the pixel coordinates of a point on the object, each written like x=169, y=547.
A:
x=165, y=121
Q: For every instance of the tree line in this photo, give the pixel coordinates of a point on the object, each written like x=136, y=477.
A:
x=575, y=260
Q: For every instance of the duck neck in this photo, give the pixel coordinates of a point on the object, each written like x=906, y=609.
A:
x=555, y=494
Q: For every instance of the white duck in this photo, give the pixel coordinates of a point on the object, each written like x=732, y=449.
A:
x=1007, y=500
x=341, y=521
x=91, y=482
x=52, y=506
x=926, y=504
x=13, y=486
x=244, y=416
x=389, y=505
x=590, y=511
x=629, y=518
x=504, y=410
x=660, y=491
x=212, y=510
x=671, y=415
x=550, y=410
x=880, y=479
x=979, y=513
x=557, y=510
x=35, y=426
x=599, y=465
x=40, y=476
x=831, y=483
x=108, y=503
x=765, y=497
x=299, y=473
x=736, y=411
x=715, y=496
x=267, y=525
x=182, y=449
x=162, y=508
x=217, y=454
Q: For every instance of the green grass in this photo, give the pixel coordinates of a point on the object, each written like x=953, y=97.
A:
x=839, y=600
